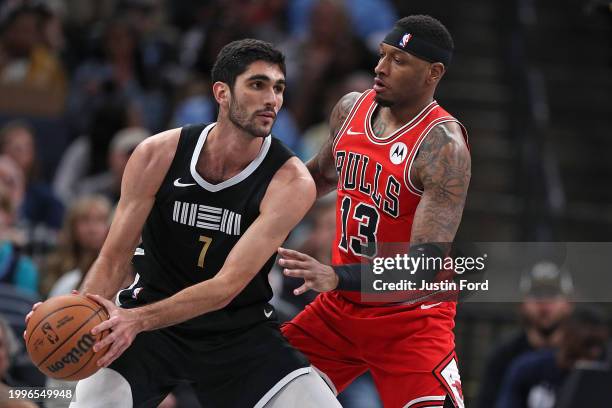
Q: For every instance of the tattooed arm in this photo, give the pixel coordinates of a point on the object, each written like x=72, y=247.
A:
x=443, y=169
x=322, y=167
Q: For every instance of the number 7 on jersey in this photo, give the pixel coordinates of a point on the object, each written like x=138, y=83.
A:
x=206, y=241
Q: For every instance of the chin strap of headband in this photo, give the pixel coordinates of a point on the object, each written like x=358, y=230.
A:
x=399, y=38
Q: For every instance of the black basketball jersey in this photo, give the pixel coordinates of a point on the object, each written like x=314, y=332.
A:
x=194, y=225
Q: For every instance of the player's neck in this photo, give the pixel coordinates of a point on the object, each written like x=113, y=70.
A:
x=227, y=151
x=399, y=115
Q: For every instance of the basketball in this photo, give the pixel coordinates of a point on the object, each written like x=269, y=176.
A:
x=59, y=339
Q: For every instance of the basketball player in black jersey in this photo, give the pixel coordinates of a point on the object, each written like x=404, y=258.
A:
x=213, y=203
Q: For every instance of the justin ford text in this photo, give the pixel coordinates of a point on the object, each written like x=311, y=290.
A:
x=403, y=263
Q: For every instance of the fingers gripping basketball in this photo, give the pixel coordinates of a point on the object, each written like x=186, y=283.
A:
x=59, y=339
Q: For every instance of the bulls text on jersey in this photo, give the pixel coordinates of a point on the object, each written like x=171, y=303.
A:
x=353, y=173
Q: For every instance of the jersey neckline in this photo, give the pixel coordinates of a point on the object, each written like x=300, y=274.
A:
x=399, y=131
x=246, y=172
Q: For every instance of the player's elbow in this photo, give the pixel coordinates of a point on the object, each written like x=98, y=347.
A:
x=225, y=301
x=308, y=189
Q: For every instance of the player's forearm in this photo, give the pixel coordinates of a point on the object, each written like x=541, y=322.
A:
x=105, y=277
x=196, y=300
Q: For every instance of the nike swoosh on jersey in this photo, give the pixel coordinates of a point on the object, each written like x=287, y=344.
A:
x=430, y=306
x=177, y=183
x=268, y=314
x=350, y=132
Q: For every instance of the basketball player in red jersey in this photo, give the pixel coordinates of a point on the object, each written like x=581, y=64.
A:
x=401, y=165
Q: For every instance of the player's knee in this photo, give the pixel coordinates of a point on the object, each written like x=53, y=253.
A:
x=306, y=391
x=106, y=388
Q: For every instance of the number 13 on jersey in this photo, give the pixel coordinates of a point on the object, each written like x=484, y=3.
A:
x=366, y=216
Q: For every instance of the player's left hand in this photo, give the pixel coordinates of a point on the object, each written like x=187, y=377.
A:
x=316, y=275
x=124, y=325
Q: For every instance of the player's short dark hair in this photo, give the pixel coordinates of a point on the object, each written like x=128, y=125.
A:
x=427, y=28
x=235, y=58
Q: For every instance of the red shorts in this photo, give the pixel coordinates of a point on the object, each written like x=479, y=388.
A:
x=408, y=349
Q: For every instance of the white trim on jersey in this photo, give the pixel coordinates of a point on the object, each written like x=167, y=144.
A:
x=398, y=132
x=412, y=155
x=279, y=385
x=136, y=279
x=426, y=398
x=349, y=118
x=248, y=170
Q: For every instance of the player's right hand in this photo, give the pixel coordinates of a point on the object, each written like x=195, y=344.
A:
x=316, y=275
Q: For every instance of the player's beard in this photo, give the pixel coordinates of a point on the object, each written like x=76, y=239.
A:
x=239, y=116
x=385, y=103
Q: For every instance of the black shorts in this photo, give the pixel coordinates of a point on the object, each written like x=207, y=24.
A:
x=242, y=370
x=238, y=368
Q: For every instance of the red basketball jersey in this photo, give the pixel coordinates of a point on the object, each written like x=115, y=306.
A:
x=376, y=198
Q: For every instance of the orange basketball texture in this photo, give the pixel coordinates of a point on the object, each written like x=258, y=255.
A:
x=59, y=339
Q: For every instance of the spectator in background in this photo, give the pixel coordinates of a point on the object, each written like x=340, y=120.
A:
x=108, y=183
x=157, y=51
x=317, y=134
x=195, y=103
x=15, y=268
x=370, y=18
x=88, y=154
x=52, y=26
x=40, y=206
x=85, y=229
x=9, y=347
x=547, y=291
x=224, y=24
x=313, y=63
x=113, y=73
x=534, y=379
x=12, y=179
x=155, y=40
x=24, y=56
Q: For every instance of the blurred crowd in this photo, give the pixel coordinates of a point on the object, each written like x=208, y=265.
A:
x=83, y=82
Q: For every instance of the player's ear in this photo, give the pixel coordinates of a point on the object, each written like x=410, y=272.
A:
x=222, y=93
x=436, y=71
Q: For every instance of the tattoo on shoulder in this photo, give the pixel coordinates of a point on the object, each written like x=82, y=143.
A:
x=341, y=111
x=443, y=162
x=444, y=168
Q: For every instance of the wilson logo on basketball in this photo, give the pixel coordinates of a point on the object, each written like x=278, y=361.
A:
x=85, y=344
